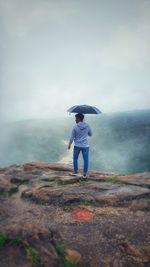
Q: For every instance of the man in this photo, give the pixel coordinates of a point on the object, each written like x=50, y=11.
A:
x=79, y=135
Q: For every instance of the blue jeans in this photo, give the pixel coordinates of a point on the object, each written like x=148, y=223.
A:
x=85, y=154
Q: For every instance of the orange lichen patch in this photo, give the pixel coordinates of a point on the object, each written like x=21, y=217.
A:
x=82, y=215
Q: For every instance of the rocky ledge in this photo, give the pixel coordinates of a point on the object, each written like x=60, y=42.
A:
x=51, y=219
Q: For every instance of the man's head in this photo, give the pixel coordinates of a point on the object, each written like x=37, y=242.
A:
x=79, y=117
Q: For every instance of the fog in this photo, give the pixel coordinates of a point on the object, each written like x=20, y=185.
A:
x=55, y=54
x=120, y=141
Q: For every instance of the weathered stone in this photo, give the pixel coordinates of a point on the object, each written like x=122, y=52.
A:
x=140, y=204
x=141, y=253
x=33, y=244
x=6, y=188
x=103, y=194
x=20, y=180
x=99, y=175
x=2, y=170
x=2, y=213
x=140, y=179
x=27, y=193
x=41, y=214
x=73, y=256
x=14, y=256
x=47, y=166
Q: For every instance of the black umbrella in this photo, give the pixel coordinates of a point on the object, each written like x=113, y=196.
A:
x=84, y=109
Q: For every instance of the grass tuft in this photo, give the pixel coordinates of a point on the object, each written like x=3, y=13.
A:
x=61, y=253
x=16, y=241
x=31, y=253
x=9, y=192
x=35, y=258
x=111, y=179
x=3, y=239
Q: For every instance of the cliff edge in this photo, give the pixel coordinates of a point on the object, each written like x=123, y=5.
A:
x=51, y=219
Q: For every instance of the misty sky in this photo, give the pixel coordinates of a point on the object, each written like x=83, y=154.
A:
x=55, y=54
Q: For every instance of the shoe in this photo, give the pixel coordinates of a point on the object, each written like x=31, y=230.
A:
x=84, y=177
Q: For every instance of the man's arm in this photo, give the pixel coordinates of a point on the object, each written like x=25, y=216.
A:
x=71, y=138
x=89, y=131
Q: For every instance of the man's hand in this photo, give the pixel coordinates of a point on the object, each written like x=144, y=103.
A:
x=69, y=146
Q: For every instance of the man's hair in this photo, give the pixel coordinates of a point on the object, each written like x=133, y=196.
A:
x=80, y=116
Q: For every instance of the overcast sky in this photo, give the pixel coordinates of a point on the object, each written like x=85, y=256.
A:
x=55, y=54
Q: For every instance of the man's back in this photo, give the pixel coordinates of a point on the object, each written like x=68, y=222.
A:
x=80, y=133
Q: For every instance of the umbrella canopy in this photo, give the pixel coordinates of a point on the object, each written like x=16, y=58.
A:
x=84, y=109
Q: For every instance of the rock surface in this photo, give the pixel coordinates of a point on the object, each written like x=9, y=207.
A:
x=49, y=218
